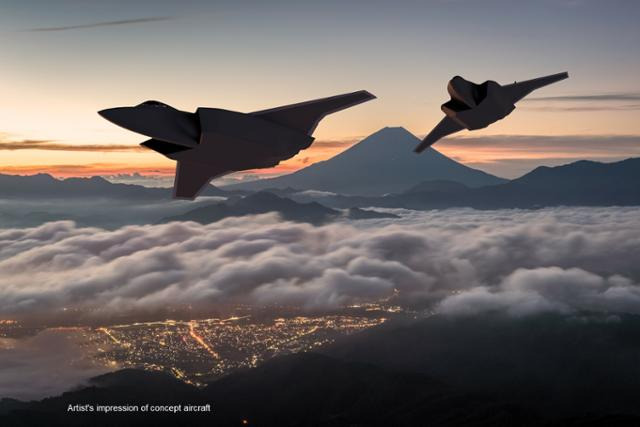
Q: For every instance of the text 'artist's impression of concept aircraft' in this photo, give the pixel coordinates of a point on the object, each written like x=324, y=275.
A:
x=476, y=106
x=212, y=142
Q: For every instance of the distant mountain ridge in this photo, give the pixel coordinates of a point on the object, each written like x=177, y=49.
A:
x=582, y=183
x=47, y=187
x=264, y=202
x=382, y=163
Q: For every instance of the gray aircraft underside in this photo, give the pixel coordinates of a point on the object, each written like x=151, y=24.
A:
x=212, y=142
x=476, y=106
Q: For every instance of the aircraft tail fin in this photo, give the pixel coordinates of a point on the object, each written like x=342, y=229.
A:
x=305, y=116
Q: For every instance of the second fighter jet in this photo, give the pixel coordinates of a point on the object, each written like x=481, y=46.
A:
x=476, y=106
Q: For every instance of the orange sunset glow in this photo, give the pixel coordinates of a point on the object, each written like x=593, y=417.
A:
x=48, y=112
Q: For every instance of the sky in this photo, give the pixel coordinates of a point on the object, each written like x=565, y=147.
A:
x=63, y=61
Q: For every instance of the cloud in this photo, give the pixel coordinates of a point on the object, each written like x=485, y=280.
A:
x=549, y=289
x=88, y=169
x=500, y=258
x=147, y=180
x=338, y=144
x=549, y=145
x=27, y=144
x=102, y=24
x=100, y=212
x=597, y=102
x=589, y=98
x=44, y=365
x=628, y=107
x=315, y=193
x=150, y=175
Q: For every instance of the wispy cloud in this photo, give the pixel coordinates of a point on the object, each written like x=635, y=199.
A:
x=101, y=24
x=588, y=102
x=87, y=169
x=575, y=108
x=576, y=144
x=9, y=143
x=36, y=144
x=337, y=143
x=593, y=97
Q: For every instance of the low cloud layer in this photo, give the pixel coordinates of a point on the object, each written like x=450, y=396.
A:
x=460, y=260
x=549, y=289
x=104, y=213
x=44, y=365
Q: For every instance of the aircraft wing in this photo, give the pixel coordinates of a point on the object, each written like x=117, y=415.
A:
x=447, y=126
x=519, y=90
x=305, y=116
x=192, y=177
x=164, y=147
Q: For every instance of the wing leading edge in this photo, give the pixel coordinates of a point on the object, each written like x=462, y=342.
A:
x=447, y=126
x=305, y=116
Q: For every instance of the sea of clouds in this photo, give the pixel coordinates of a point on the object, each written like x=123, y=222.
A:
x=457, y=261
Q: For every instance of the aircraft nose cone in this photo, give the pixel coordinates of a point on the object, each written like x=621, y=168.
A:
x=165, y=124
x=131, y=118
x=118, y=115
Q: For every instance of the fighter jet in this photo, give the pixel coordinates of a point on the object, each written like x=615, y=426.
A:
x=212, y=142
x=476, y=106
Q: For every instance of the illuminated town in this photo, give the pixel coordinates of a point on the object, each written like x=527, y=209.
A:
x=199, y=351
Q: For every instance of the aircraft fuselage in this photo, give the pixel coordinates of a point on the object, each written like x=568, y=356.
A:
x=476, y=106
x=213, y=135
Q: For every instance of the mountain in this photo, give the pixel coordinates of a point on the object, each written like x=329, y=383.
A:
x=582, y=183
x=29, y=201
x=259, y=203
x=316, y=390
x=438, y=185
x=567, y=365
x=382, y=163
x=357, y=213
x=297, y=390
x=37, y=199
x=263, y=202
x=44, y=186
x=125, y=387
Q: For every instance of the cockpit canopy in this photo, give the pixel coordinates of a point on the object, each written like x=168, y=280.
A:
x=152, y=103
x=465, y=95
